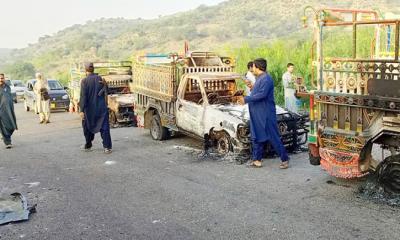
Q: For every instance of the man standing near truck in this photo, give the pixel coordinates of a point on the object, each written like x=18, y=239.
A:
x=263, y=122
x=289, y=89
x=250, y=79
x=8, y=123
x=94, y=111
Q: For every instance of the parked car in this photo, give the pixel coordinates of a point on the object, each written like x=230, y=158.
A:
x=13, y=93
x=59, y=99
x=19, y=88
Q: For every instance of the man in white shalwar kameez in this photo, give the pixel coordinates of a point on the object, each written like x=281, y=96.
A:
x=41, y=90
x=289, y=89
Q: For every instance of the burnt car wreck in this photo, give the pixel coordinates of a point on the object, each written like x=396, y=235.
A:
x=293, y=129
x=197, y=95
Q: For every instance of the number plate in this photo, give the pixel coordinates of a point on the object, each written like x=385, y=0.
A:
x=53, y=105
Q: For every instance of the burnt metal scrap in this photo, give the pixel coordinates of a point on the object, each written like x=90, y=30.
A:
x=14, y=208
x=118, y=76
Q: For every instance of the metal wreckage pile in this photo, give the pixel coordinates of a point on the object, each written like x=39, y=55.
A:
x=14, y=208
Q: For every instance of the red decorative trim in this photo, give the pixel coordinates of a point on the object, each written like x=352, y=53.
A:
x=341, y=164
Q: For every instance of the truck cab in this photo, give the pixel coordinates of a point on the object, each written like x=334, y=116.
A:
x=206, y=105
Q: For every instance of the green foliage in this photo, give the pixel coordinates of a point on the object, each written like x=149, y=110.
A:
x=278, y=54
x=63, y=77
x=233, y=22
x=337, y=43
x=20, y=70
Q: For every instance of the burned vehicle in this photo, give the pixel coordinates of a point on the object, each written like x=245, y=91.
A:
x=355, y=107
x=120, y=101
x=197, y=95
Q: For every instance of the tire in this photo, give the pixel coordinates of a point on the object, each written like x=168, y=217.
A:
x=26, y=106
x=224, y=145
x=389, y=174
x=316, y=161
x=157, y=131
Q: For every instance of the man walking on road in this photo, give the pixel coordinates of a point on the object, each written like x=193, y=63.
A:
x=8, y=122
x=263, y=122
x=41, y=90
x=94, y=111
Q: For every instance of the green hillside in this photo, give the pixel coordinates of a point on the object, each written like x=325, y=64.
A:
x=207, y=27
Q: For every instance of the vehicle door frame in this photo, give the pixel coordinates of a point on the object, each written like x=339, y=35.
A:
x=30, y=95
x=196, y=120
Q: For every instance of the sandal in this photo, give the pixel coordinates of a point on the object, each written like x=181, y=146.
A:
x=284, y=165
x=255, y=164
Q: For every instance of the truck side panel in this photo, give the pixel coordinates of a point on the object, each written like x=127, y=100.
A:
x=155, y=81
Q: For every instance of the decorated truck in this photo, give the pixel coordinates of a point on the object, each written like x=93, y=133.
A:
x=118, y=76
x=197, y=95
x=355, y=105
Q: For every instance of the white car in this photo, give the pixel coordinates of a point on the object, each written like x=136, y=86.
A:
x=18, y=87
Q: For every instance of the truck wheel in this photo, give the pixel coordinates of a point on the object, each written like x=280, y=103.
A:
x=389, y=174
x=157, y=131
x=314, y=160
x=26, y=106
x=224, y=144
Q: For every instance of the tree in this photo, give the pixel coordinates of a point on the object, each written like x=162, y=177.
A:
x=20, y=70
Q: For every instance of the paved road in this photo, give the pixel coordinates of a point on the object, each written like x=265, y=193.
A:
x=156, y=190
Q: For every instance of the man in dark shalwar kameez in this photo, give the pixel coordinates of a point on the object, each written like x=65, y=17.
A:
x=8, y=123
x=263, y=122
x=94, y=111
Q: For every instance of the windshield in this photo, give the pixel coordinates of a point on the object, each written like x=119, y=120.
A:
x=55, y=85
x=8, y=82
x=17, y=83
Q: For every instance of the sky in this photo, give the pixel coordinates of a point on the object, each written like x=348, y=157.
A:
x=24, y=21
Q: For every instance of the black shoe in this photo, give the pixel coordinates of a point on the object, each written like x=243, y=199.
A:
x=86, y=148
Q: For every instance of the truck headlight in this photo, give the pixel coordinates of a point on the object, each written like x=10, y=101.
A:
x=243, y=133
x=65, y=97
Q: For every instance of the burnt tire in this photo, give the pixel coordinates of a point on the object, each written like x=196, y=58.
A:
x=389, y=174
x=157, y=130
x=315, y=161
x=224, y=145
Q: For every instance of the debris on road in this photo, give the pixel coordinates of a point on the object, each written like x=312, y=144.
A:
x=14, y=208
x=32, y=184
x=110, y=162
x=372, y=190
